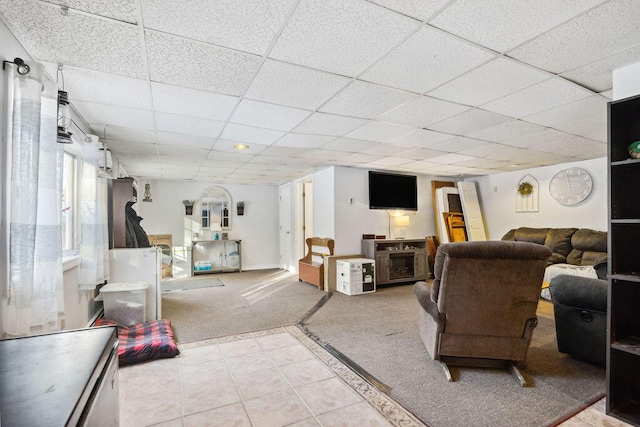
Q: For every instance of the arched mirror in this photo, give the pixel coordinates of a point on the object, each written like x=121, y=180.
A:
x=215, y=209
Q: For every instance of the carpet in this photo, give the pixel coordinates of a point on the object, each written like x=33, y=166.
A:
x=379, y=332
x=185, y=284
x=249, y=301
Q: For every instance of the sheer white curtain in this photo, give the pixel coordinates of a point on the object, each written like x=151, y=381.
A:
x=34, y=204
x=94, y=242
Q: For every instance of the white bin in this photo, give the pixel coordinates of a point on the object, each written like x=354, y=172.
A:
x=125, y=303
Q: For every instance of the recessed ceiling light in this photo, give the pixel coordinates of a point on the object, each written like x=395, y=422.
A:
x=241, y=147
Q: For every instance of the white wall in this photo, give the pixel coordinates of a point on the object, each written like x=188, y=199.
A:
x=257, y=228
x=323, y=203
x=626, y=81
x=497, y=194
x=354, y=220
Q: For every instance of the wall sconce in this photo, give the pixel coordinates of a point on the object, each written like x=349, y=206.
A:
x=64, y=118
x=147, y=192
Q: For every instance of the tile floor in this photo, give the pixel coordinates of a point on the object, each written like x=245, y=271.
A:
x=276, y=377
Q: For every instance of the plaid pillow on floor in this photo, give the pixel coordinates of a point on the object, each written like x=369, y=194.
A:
x=143, y=341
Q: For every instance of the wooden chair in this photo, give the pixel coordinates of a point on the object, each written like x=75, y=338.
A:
x=311, y=267
x=456, y=229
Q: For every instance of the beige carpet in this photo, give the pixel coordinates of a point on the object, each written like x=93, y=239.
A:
x=248, y=301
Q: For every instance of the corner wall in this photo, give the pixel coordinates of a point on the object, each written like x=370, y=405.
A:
x=497, y=194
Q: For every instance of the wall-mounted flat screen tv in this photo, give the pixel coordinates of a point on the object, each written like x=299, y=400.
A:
x=393, y=191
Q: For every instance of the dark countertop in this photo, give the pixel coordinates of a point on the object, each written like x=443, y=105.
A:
x=46, y=380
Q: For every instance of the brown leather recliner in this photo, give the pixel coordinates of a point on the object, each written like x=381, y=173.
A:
x=481, y=308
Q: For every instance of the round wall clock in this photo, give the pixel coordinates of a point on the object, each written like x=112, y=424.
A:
x=570, y=186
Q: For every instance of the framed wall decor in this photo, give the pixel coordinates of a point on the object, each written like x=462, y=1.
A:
x=527, y=194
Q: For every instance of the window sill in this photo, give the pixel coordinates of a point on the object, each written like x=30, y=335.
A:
x=71, y=261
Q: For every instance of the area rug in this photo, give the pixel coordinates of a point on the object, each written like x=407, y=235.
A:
x=185, y=284
x=379, y=332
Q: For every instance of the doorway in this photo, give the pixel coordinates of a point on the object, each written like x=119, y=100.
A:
x=304, y=216
x=285, y=228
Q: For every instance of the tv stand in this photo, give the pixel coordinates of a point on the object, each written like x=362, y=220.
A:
x=397, y=260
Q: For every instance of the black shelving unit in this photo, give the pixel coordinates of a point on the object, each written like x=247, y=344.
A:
x=623, y=325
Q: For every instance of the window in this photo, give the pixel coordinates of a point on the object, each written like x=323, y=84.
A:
x=69, y=202
x=205, y=217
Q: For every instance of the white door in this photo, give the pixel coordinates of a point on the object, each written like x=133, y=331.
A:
x=285, y=228
x=472, y=212
x=307, y=203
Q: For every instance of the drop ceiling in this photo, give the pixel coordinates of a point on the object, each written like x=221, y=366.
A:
x=440, y=87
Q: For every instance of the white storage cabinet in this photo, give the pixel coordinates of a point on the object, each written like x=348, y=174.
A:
x=355, y=276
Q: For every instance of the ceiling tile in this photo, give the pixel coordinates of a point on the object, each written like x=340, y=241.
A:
x=484, y=163
x=77, y=40
x=229, y=146
x=423, y=111
x=421, y=138
x=385, y=150
x=593, y=106
x=540, y=158
x=126, y=147
x=322, y=154
x=484, y=150
x=197, y=65
x=379, y=131
x=360, y=158
x=418, y=9
x=122, y=10
x=329, y=124
x=338, y=36
x=489, y=81
x=227, y=157
x=506, y=153
x=450, y=158
x=457, y=144
x=192, y=154
x=113, y=89
x=500, y=26
x=566, y=147
x=102, y=114
x=302, y=140
x=542, y=96
x=250, y=134
x=366, y=100
x=597, y=34
x=280, y=152
x=420, y=154
x=469, y=122
x=597, y=75
x=188, y=125
x=592, y=152
x=594, y=128
x=349, y=145
x=246, y=25
x=191, y=102
x=269, y=116
x=180, y=139
x=507, y=130
x=426, y=60
x=295, y=86
x=531, y=139
x=124, y=133
x=388, y=161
